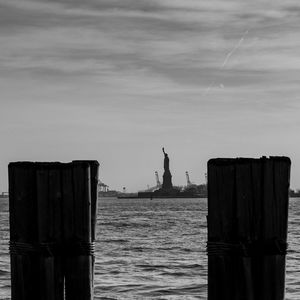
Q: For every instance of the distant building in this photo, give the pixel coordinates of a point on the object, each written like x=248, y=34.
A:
x=103, y=190
x=294, y=193
x=102, y=187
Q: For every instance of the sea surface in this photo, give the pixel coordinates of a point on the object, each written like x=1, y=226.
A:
x=154, y=249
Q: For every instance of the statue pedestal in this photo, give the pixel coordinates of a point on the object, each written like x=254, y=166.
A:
x=167, y=189
x=167, y=181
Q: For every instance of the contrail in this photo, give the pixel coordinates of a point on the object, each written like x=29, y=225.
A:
x=208, y=88
x=234, y=49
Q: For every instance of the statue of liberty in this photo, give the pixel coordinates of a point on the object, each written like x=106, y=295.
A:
x=167, y=177
x=166, y=161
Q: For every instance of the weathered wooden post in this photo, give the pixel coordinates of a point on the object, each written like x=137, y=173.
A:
x=51, y=229
x=35, y=230
x=23, y=232
x=49, y=225
x=80, y=264
x=247, y=228
x=94, y=174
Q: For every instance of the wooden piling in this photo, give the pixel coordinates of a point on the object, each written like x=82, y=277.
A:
x=80, y=219
x=78, y=263
x=49, y=211
x=23, y=232
x=94, y=173
x=51, y=229
x=247, y=228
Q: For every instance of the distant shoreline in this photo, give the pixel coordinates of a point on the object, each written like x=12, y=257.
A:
x=136, y=197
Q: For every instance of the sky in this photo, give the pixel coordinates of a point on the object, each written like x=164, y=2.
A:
x=117, y=80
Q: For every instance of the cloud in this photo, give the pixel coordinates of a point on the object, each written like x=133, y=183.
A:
x=131, y=74
x=185, y=42
x=167, y=50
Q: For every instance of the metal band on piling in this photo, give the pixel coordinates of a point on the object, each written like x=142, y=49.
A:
x=52, y=249
x=256, y=248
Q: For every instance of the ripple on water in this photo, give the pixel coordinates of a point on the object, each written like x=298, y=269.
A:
x=155, y=250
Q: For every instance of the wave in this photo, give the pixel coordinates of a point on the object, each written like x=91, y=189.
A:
x=4, y=273
x=193, y=290
x=115, y=241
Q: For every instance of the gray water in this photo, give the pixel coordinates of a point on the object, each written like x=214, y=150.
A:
x=154, y=249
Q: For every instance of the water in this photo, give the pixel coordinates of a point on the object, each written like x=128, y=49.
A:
x=154, y=249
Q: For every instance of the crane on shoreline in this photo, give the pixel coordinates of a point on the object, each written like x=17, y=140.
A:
x=158, y=184
x=188, y=182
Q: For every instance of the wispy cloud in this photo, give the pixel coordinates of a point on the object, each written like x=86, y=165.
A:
x=186, y=42
x=149, y=69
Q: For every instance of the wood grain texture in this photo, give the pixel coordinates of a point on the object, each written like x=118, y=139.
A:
x=247, y=205
x=78, y=268
x=53, y=209
x=23, y=228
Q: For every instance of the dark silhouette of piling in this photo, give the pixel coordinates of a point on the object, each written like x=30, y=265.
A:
x=247, y=228
x=51, y=235
x=48, y=197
